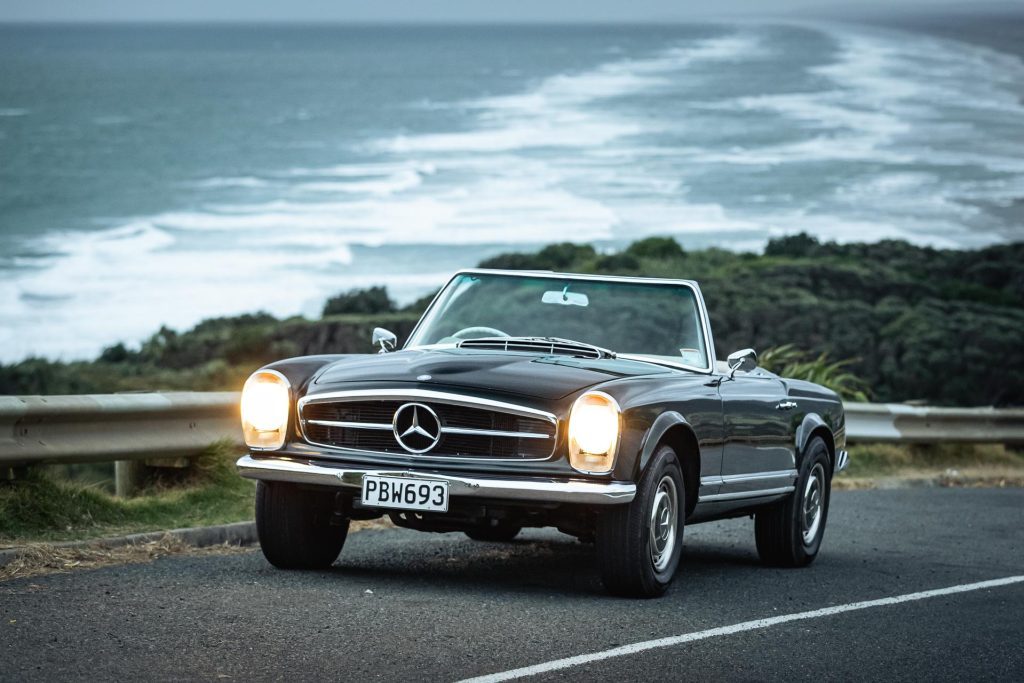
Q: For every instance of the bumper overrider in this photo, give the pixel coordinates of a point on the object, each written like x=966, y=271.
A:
x=548, y=490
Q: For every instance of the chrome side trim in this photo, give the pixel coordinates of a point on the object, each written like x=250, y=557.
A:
x=759, y=493
x=428, y=395
x=546, y=490
x=744, y=478
x=702, y=308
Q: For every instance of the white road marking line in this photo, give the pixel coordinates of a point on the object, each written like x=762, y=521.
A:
x=670, y=641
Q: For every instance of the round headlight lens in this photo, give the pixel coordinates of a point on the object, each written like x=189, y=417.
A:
x=266, y=399
x=593, y=433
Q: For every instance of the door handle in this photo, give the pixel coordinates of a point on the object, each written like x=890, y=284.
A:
x=786, y=405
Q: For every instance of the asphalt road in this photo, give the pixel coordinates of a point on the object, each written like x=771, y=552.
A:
x=400, y=605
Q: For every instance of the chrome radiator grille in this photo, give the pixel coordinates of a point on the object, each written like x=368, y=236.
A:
x=466, y=430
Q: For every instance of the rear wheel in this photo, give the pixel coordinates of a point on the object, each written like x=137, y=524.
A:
x=297, y=528
x=639, y=544
x=789, y=533
x=494, y=531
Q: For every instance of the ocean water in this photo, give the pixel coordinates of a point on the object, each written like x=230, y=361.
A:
x=161, y=175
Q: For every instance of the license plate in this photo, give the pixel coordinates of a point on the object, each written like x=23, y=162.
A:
x=405, y=494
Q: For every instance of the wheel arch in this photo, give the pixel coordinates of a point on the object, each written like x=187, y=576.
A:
x=672, y=429
x=813, y=425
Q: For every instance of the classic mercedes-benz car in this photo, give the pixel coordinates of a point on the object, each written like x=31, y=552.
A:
x=530, y=399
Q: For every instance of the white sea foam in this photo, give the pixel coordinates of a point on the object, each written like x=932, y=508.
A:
x=559, y=111
x=361, y=170
x=480, y=213
x=136, y=277
x=131, y=239
x=240, y=181
x=373, y=185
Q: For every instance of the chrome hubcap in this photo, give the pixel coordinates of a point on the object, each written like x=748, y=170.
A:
x=664, y=518
x=813, y=503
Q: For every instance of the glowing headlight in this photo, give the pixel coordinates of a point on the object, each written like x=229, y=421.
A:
x=265, y=402
x=593, y=433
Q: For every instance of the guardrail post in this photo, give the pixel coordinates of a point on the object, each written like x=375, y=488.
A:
x=15, y=472
x=129, y=477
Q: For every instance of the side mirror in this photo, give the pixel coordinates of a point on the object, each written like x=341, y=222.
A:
x=386, y=339
x=745, y=360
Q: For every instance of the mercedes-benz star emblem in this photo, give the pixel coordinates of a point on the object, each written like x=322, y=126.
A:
x=417, y=427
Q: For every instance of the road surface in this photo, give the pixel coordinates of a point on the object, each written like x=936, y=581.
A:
x=401, y=606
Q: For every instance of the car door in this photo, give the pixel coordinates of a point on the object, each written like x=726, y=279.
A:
x=759, y=451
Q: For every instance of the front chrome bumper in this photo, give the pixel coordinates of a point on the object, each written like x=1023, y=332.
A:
x=522, y=489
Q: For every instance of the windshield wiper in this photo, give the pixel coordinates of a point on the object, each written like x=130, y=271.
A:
x=551, y=345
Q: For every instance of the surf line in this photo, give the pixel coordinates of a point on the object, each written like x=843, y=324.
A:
x=580, y=660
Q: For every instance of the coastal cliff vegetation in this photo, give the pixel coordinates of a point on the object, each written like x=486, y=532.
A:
x=893, y=321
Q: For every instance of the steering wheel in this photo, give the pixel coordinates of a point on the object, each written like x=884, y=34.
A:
x=480, y=330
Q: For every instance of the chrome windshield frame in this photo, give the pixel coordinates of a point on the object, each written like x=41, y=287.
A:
x=705, y=324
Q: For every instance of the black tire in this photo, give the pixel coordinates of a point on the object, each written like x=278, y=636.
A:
x=294, y=526
x=780, y=529
x=501, y=532
x=624, y=537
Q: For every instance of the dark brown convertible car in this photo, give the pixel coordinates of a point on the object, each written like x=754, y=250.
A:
x=526, y=399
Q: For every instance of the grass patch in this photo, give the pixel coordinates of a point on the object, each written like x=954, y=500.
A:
x=943, y=464
x=41, y=508
x=44, y=558
x=868, y=460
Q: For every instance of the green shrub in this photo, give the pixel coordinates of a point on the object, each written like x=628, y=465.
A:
x=656, y=248
x=621, y=262
x=372, y=300
x=788, y=361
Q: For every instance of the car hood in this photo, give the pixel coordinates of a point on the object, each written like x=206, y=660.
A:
x=525, y=374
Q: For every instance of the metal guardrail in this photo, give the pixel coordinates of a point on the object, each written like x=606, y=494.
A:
x=901, y=423
x=107, y=427
x=104, y=428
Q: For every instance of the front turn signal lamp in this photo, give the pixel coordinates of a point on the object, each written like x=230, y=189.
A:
x=593, y=433
x=266, y=400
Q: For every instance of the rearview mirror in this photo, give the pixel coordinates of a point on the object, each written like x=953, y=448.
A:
x=745, y=360
x=565, y=298
x=386, y=339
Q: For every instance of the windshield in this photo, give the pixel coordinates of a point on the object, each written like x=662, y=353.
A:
x=640, y=318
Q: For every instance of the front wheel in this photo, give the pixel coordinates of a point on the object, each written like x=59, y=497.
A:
x=639, y=544
x=296, y=527
x=789, y=533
